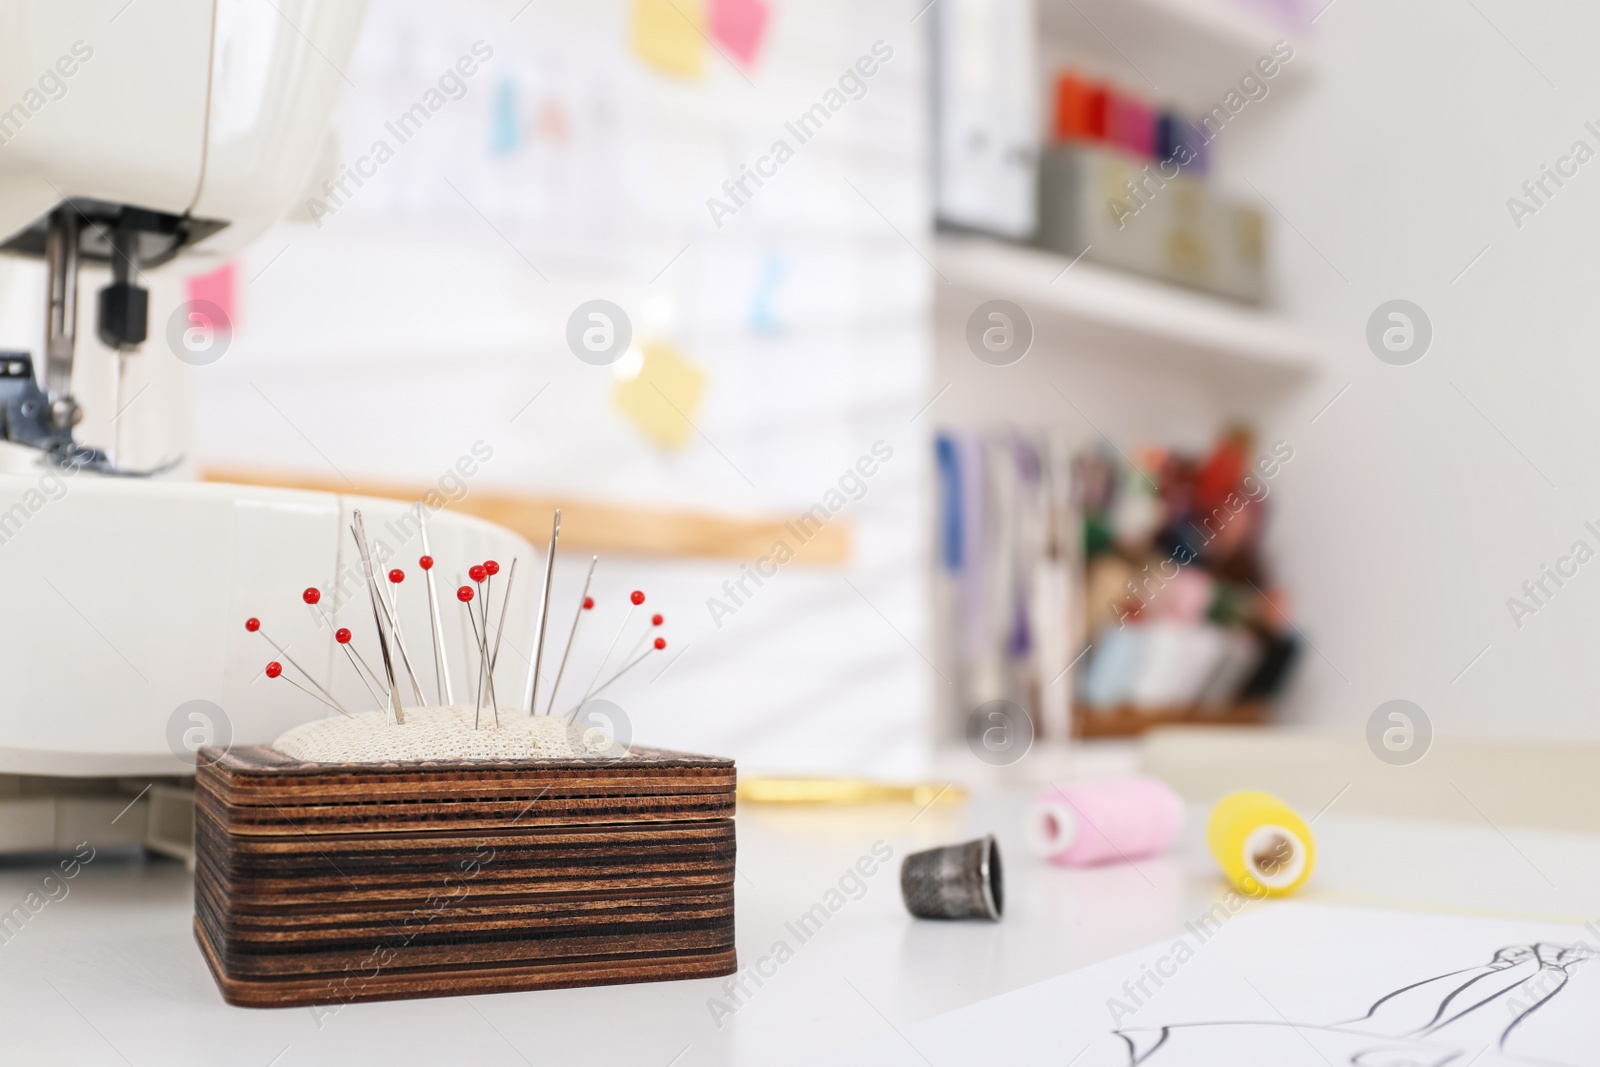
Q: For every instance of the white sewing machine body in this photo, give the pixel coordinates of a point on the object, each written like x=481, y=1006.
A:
x=206, y=110
x=126, y=602
x=128, y=599
x=133, y=135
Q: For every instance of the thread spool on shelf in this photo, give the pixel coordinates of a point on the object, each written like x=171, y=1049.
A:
x=1263, y=847
x=1105, y=821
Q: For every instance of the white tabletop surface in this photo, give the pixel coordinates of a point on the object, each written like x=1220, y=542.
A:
x=110, y=974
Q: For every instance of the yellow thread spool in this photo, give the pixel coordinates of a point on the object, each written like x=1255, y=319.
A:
x=1263, y=847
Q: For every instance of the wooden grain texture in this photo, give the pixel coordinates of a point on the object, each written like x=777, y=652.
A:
x=594, y=527
x=327, y=883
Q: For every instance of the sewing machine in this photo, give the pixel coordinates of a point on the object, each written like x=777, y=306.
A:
x=143, y=137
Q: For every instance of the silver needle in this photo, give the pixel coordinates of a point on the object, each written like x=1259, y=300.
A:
x=359, y=531
x=441, y=662
x=544, y=616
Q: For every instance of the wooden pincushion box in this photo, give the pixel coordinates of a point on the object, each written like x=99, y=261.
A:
x=321, y=883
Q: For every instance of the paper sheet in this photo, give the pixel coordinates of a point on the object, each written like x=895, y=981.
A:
x=663, y=398
x=670, y=37
x=739, y=25
x=1293, y=984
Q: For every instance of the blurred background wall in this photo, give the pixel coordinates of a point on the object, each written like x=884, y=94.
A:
x=427, y=309
x=1426, y=495
x=384, y=330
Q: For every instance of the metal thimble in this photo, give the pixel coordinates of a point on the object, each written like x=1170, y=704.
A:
x=954, y=882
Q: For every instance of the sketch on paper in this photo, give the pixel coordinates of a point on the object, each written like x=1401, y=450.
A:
x=1480, y=1015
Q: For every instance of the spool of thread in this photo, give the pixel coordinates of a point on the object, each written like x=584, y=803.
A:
x=1262, y=846
x=1106, y=821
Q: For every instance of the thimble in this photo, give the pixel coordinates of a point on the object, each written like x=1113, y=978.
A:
x=954, y=882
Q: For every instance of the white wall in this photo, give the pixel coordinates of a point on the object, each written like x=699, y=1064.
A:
x=1424, y=497
x=407, y=326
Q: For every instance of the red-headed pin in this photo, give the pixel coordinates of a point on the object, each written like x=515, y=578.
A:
x=312, y=595
x=659, y=644
x=491, y=568
x=588, y=603
x=657, y=620
x=275, y=670
x=426, y=563
x=464, y=594
x=253, y=624
x=342, y=635
x=397, y=576
x=637, y=597
x=477, y=572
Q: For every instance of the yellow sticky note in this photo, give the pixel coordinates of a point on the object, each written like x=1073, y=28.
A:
x=668, y=35
x=663, y=399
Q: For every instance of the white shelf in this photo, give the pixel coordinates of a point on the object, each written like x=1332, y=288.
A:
x=1192, y=51
x=1113, y=311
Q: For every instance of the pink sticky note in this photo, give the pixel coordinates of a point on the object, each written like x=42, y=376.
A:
x=215, y=288
x=739, y=25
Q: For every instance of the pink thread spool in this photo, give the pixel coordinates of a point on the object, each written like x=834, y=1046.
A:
x=1105, y=821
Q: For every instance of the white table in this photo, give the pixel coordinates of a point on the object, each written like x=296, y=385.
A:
x=110, y=973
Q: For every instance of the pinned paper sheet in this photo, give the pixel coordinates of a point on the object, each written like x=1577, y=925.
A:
x=739, y=26
x=669, y=35
x=1289, y=984
x=663, y=398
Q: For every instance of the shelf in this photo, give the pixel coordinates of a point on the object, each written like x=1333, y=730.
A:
x=1192, y=51
x=1117, y=311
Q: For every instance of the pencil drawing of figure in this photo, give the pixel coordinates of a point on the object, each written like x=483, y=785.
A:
x=1480, y=1015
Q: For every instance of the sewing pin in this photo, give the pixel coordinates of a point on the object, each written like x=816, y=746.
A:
x=532, y=692
x=635, y=598
x=253, y=624
x=464, y=594
x=479, y=574
x=275, y=670
x=659, y=644
x=505, y=602
x=342, y=635
x=655, y=620
x=396, y=576
x=441, y=662
x=491, y=568
x=313, y=597
x=359, y=532
x=585, y=603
